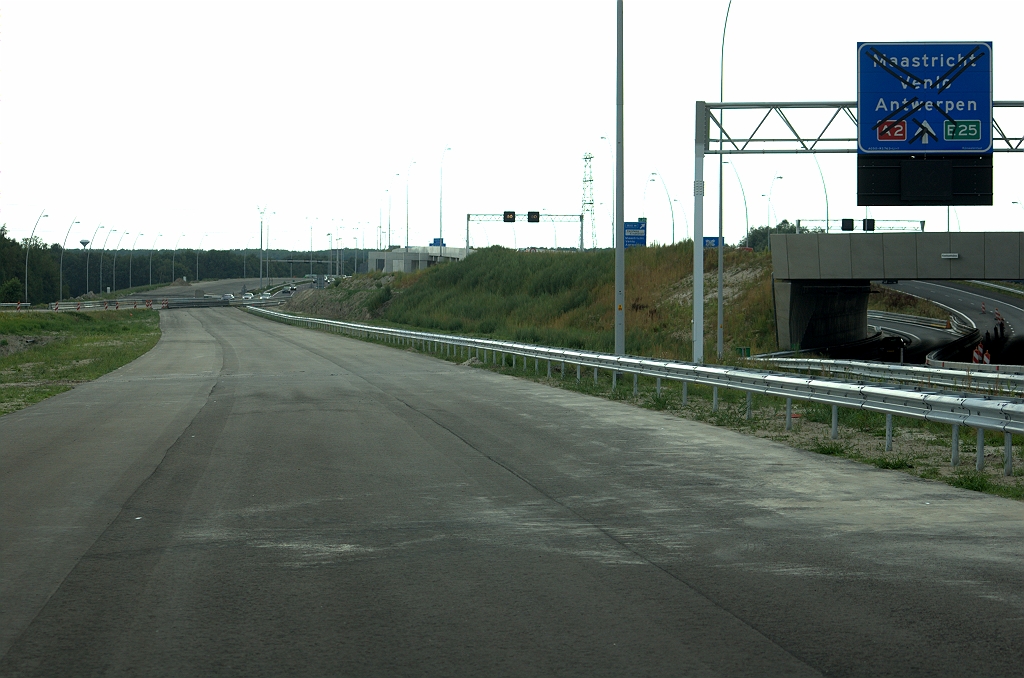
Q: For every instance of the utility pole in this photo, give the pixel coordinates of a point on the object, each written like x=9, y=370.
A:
x=620, y=189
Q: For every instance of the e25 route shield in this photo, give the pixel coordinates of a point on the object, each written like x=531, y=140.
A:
x=924, y=97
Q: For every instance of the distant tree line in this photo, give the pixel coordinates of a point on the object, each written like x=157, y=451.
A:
x=758, y=237
x=121, y=269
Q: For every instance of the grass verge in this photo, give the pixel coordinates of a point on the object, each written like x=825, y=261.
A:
x=43, y=354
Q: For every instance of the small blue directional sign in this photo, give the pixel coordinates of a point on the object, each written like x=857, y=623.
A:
x=636, y=234
x=924, y=97
x=710, y=242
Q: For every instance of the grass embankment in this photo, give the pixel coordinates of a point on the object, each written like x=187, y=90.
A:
x=564, y=299
x=43, y=354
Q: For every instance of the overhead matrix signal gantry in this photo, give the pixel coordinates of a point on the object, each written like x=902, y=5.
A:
x=588, y=195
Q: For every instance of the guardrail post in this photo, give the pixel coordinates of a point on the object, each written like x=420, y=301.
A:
x=888, y=433
x=513, y=361
x=685, y=384
x=789, y=414
x=954, y=458
x=1008, y=461
x=635, y=378
x=549, y=369
x=536, y=365
x=750, y=405
x=561, y=374
x=835, y=422
x=595, y=376
x=478, y=353
x=615, y=379
x=714, y=401
x=657, y=386
x=979, y=461
x=579, y=368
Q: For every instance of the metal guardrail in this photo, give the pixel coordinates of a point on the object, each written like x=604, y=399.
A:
x=980, y=412
x=935, y=323
x=1011, y=383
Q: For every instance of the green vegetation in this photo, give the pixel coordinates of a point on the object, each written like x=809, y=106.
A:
x=43, y=354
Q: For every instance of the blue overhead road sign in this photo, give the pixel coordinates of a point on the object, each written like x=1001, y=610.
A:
x=924, y=97
x=635, y=234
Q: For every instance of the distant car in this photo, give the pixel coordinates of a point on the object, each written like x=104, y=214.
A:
x=247, y=295
x=227, y=297
x=265, y=295
x=292, y=288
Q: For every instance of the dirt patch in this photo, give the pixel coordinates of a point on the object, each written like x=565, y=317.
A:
x=13, y=343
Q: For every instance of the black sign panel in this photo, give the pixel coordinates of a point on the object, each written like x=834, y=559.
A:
x=924, y=180
x=533, y=217
x=508, y=217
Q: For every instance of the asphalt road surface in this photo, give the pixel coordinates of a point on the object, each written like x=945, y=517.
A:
x=251, y=498
x=968, y=300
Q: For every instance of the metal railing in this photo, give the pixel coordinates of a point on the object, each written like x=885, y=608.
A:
x=977, y=411
x=1008, y=383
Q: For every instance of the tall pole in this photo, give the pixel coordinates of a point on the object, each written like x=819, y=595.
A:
x=330, y=246
x=117, y=248
x=102, y=250
x=743, y=192
x=310, y=247
x=151, y=250
x=440, y=206
x=197, y=255
x=87, y=255
x=130, y=257
x=611, y=160
x=261, y=211
x=823, y=188
x=408, y=173
x=174, y=253
x=700, y=146
x=28, y=248
x=721, y=231
x=671, y=209
x=620, y=189
x=60, y=284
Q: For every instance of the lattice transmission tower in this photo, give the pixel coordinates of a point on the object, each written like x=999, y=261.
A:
x=588, y=196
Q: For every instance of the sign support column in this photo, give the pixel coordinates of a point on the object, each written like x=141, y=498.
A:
x=620, y=214
x=701, y=120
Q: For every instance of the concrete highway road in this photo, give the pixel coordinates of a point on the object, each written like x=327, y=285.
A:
x=251, y=498
x=968, y=300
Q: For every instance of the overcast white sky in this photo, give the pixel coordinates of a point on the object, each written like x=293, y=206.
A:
x=179, y=118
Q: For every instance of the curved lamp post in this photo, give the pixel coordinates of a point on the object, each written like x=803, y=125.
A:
x=130, y=257
x=28, y=248
x=87, y=255
x=117, y=249
x=60, y=284
x=823, y=187
x=440, y=206
x=151, y=250
x=197, y=255
x=671, y=209
x=174, y=252
x=721, y=204
x=102, y=250
x=746, y=212
x=408, y=173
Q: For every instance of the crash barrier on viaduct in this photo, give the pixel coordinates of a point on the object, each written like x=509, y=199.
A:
x=980, y=412
x=822, y=280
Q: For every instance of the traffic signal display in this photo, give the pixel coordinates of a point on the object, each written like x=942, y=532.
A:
x=508, y=217
x=533, y=217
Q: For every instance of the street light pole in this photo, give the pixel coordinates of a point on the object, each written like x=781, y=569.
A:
x=611, y=161
x=102, y=250
x=174, y=252
x=60, y=292
x=261, y=210
x=823, y=187
x=117, y=248
x=130, y=257
x=721, y=204
x=28, y=248
x=671, y=209
x=88, y=254
x=620, y=189
x=151, y=250
x=408, y=173
x=746, y=212
x=440, y=207
x=769, y=215
x=197, y=255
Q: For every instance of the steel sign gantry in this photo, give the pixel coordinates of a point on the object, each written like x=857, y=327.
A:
x=523, y=216
x=838, y=134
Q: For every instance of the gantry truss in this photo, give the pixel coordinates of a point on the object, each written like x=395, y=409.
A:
x=523, y=217
x=823, y=127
